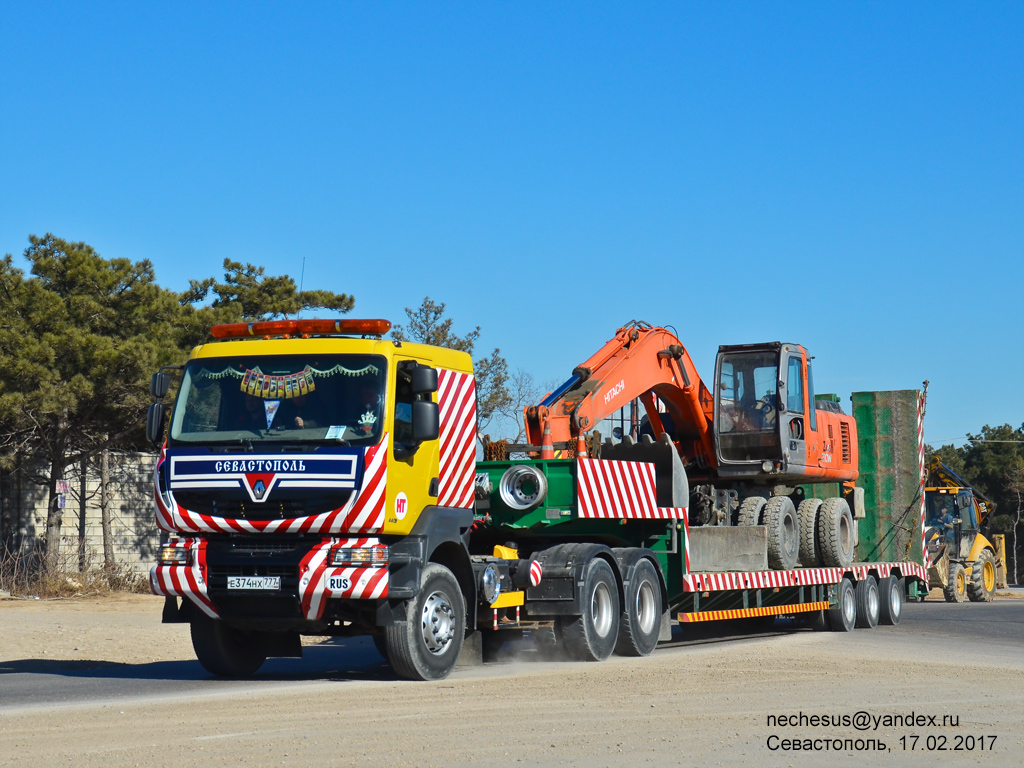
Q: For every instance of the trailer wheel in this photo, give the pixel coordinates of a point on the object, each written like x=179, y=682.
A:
x=835, y=533
x=807, y=517
x=428, y=643
x=956, y=588
x=751, y=510
x=592, y=636
x=842, y=616
x=225, y=651
x=640, y=622
x=783, y=533
x=982, y=586
x=868, y=607
x=890, y=601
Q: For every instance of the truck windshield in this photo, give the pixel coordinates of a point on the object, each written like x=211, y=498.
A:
x=281, y=398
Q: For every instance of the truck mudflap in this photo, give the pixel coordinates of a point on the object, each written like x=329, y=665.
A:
x=318, y=581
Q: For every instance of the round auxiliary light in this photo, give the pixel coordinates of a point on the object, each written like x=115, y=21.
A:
x=522, y=487
x=490, y=583
x=767, y=466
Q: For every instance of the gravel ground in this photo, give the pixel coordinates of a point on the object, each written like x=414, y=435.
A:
x=691, y=703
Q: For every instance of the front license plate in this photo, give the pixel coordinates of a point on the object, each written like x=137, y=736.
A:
x=254, y=582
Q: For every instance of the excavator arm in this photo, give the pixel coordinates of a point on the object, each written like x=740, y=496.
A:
x=641, y=361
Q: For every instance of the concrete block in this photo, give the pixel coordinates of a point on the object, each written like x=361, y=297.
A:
x=718, y=549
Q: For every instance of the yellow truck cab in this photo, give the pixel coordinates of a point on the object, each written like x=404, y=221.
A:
x=315, y=478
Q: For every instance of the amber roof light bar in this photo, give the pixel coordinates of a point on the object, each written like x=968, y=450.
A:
x=304, y=328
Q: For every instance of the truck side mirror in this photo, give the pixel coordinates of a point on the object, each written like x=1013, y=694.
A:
x=155, y=421
x=426, y=419
x=424, y=380
x=159, y=385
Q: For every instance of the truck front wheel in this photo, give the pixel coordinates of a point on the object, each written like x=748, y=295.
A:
x=428, y=643
x=592, y=636
x=225, y=651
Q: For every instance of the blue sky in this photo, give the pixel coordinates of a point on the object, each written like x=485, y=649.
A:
x=849, y=176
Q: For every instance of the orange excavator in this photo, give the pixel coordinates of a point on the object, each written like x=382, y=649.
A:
x=746, y=446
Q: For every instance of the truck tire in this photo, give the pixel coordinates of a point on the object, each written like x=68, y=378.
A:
x=225, y=651
x=982, y=586
x=835, y=533
x=783, y=533
x=751, y=511
x=956, y=588
x=807, y=517
x=592, y=636
x=890, y=601
x=640, y=622
x=866, y=594
x=842, y=617
x=427, y=644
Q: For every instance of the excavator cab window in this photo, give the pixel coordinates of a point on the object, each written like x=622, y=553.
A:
x=810, y=397
x=747, y=407
x=795, y=386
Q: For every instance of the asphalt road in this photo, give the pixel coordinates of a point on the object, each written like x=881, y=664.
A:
x=991, y=631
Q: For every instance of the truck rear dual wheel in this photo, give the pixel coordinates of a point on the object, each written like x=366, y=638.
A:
x=955, y=590
x=868, y=603
x=593, y=635
x=982, y=586
x=836, y=537
x=225, y=651
x=428, y=643
x=783, y=533
x=890, y=601
x=640, y=622
x=842, y=617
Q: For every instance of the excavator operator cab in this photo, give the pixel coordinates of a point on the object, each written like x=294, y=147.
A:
x=762, y=392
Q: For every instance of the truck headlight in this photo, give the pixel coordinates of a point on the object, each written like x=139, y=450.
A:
x=376, y=555
x=175, y=554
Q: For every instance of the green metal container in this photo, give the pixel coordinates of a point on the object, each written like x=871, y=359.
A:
x=887, y=438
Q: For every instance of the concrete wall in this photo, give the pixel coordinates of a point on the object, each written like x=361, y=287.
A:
x=133, y=528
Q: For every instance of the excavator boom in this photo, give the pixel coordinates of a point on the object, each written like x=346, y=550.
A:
x=640, y=361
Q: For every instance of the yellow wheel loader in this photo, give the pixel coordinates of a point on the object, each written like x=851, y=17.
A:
x=963, y=561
